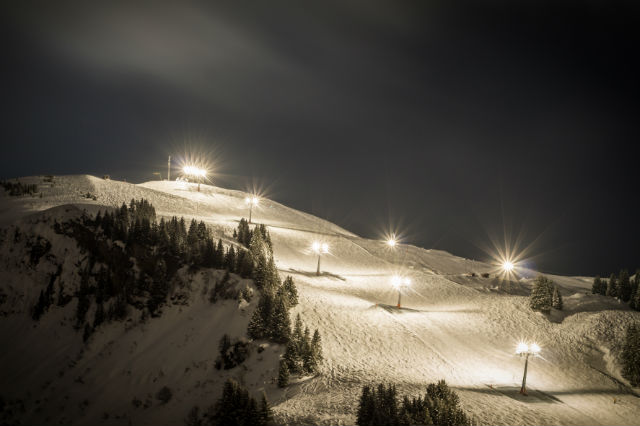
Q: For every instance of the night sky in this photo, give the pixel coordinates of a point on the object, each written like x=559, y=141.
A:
x=453, y=123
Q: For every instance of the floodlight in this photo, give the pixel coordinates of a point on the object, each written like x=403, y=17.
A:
x=534, y=348
x=522, y=348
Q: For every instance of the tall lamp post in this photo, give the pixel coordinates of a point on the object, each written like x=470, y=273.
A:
x=392, y=243
x=525, y=350
x=251, y=201
x=319, y=249
x=399, y=283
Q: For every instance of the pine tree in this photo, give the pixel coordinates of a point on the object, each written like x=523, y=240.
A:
x=280, y=322
x=366, y=407
x=596, y=288
x=290, y=291
x=557, y=299
x=541, y=294
x=230, y=259
x=316, y=347
x=631, y=355
x=244, y=234
x=244, y=264
x=624, y=286
x=283, y=374
x=612, y=286
x=292, y=358
x=257, y=246
x=272, y=281
x=260, y=272
x=218, y=261
x=261, y=321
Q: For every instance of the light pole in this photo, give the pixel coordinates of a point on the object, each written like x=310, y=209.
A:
x=524, y=350
x=399, y=283
x=196, y=172
x=319, y=248
x=392, y=242
x=251, y=201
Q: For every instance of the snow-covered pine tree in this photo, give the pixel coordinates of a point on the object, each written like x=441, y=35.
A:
x=272, y=282
x=556, y=299
x=290, y=291
x=260, y=272
x=541, y=294
x=257, y=245
x=280, y=329
x=316, y=347
x=260, y=323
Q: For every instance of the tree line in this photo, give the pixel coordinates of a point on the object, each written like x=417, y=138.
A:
x=439, y=406
x=18, y=188
x=620, y=286
x=271, y=319
x=236, y=407
x=132, y=236
x=545, y=295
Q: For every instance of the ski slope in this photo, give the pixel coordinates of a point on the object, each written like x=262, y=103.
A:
x=452, y=326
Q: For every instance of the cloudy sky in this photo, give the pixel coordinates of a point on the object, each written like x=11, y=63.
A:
x=453, y=123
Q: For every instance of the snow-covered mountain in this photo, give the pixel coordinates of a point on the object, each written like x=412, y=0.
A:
x=456, y=325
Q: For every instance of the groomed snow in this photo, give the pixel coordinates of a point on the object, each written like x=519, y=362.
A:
x=460, y=328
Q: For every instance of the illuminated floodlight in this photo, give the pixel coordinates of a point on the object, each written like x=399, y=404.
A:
x=195, y=172
x=396, y=281
x=508, y=266
x=391, y=242
x=535, y=349
x=522, y=348
x=252, y=200
x=320, y=247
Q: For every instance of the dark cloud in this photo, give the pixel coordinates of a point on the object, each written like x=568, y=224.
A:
x=449, y=119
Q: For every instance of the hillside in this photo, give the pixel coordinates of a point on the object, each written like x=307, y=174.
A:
x=455, y=326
